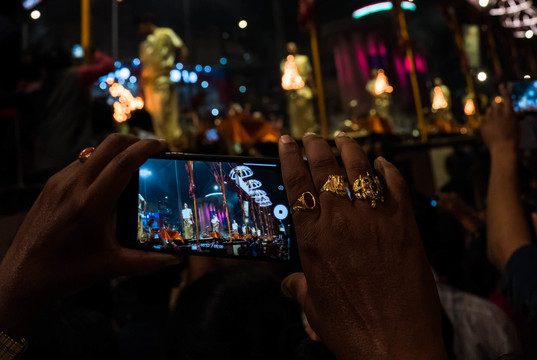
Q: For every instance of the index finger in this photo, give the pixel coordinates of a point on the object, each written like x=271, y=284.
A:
x=115, y=176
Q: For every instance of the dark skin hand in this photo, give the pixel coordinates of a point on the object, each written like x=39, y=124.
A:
x=68, y=239
x=367, y=287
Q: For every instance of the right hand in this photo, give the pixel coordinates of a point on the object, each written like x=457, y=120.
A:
x=500, y=128
x=367, y=288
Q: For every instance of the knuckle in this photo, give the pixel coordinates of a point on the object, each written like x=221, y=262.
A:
x=295, y=182
x=359, y=165
x=322, y=163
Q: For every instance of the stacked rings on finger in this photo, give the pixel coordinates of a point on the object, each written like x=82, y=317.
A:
x=85, y=154
x=336, y=184
x=368, y=188
x=306, y=202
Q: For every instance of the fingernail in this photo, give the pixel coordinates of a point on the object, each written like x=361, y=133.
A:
x=381, y=158
x=286, y=139
x=309, y=134
x=341, y=133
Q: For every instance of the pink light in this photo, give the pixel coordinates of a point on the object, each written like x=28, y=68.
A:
x=382, y=49
x=371, y=46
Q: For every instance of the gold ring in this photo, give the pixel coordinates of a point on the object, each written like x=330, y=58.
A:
x=336, y=184
x=85, y=154
x=368, y=188
x=306, y=202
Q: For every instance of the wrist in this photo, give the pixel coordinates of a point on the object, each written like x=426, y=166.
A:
x=504, y=149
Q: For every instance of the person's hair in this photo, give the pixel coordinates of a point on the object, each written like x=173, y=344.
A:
x=235, y=313
x=145, y=19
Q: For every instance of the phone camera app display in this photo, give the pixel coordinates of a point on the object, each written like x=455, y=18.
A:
x=213, y=208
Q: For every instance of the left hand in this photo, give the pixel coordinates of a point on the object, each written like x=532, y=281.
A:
x=500, y=126
x=68, y=239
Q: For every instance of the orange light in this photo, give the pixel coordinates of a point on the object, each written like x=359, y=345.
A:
x=498, y=99
x=439, y=100
x=469, y=107
x=291, y=79
x=126, y=104
x=381, y=84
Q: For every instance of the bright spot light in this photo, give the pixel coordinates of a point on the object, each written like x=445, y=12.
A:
x=193, y=77
x=136, y=62
x=415, y=133
x=123, y=73
x=179, y=66
x=175, y=75
x=434, y=203
x=482, y=76
x=242, y=89
x=353, y=103
x=145, y=173
x=498, y=99
x=117, y=64
x=36, y=14
x=223, y=61
x=133, y=79
x=199, y=68
x=186, y=76
x=207, y=69
x=215, y=187
x=529, y=34
x=204, y=84
x=243, y=24
x=348, y=123
x=215, y=112
x=527, y=77
x=483, y=3
x=102, y=85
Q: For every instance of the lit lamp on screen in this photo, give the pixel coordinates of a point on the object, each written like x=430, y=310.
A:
x=469, y=107
x=291, y=79
x=439, y=100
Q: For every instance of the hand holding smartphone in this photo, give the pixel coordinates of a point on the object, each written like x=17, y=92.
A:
x=208, y=205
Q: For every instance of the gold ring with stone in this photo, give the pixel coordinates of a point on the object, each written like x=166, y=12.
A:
x=86, y=153
x=306, y=202
x=368, y=188
x=336, y=184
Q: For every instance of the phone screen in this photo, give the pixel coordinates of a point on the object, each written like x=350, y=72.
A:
x=230, y=207
x=524, y=95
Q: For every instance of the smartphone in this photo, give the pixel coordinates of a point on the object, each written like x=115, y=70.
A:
x=524, y=94
x=207, y=205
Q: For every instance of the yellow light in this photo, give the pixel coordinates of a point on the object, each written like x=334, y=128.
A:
x=439, y=100
x=527, y=76
x=464, y=131
x=126, y=104
x=469, y=107
x=36, y=14
x=291, y=79
x=483, y=3
x=348, y=123
x=243, y=24
x=482, y=76
x=381, y=84
x=529, y=34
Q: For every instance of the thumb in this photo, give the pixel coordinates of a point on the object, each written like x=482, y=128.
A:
x=139, y=262
x=296, y=286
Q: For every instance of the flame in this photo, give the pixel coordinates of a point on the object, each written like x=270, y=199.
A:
x=439, y=100
x=291, y=79
x=381, y=84
x=126, y=103
x=469, y=107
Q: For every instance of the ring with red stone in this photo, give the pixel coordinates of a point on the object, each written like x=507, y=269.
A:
x=368, y=188
x=86, y=153
x=306, y=202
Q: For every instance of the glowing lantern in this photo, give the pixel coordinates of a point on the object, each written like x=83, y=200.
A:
x=291, y=79
x=439, y=100
x=381, y=84
x=469, y=107
x=126, y=103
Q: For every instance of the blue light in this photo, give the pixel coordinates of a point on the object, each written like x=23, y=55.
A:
x=157, y=246
x=407, y=5
x=121, y=81
x=145, y=173
x=103, y=78
x=207, y=69
x=102, y=85
x=175, y=75
x=123, y=73
x=133, y=79
x=193, y=77
x=242, y=89
x=215, y=112
x=179, y=66
x=204, y=84
x=214, y=194
x=223, y=61
x=117, y=64
x=434, y=203
x=186, y=76
x=136, y=62
x=199, y=68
